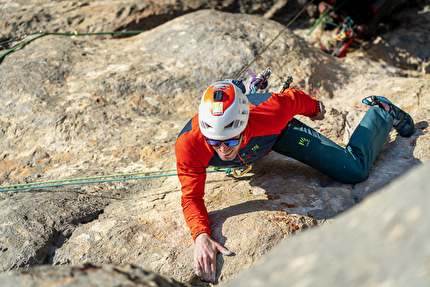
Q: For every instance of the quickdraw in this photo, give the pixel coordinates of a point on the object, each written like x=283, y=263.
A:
x=239, y=172
x=260, y=81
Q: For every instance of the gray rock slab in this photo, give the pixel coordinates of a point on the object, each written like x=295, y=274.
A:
x=384, y=241
x=34, y=224
x=148, y=230
x=74, y=107
x=23, y=17
x=108, y=275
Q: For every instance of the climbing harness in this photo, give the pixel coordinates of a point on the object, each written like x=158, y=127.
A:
x=346, y=32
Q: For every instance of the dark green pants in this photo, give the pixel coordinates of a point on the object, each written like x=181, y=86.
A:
x=351, y=164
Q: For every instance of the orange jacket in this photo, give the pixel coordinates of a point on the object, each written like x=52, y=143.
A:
x=269, y=114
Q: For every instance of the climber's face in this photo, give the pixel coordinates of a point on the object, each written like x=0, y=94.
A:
x=226, y=149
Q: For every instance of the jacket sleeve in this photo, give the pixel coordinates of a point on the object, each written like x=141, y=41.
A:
x=300, y=103
x=192, y=176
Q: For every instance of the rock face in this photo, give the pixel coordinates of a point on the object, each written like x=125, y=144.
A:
x=87, y=275
x=383, y=241
x=80, y=107
x=24, y=17
x=33, y=225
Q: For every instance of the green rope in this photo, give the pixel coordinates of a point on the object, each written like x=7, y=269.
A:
x=75, y=33
x=72, y=34
x=85, y=181
x=86, y=178
x=317, y=22
x=20, y=45
x=304, y=8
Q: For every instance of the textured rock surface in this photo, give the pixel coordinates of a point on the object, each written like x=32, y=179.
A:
x=87, y=275
x=90, y=106
x=149, y=229
x=33, y=225
x=381, y=242
x=25, y=17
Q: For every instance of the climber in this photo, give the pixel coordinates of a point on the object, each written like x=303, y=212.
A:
x=360, y=11
x=234, y=130
x=341, y=22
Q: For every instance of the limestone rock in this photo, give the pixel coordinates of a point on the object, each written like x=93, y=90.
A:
x=382, y=241
x=404, y=47
x=149, y=230
x=80, y=111
x=33, y=225
x=87, y=275
x=23, y=17
x=353, y=118
x=79, y=107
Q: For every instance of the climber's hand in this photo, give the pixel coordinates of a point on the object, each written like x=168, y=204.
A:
x=321, y=114
x=205, y=256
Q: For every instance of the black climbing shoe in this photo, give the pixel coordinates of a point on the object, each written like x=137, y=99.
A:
x=402, y=123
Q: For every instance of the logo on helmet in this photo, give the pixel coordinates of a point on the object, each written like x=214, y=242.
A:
x=217, y=108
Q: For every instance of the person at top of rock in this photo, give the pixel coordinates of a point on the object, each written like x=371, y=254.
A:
x=233, y=130
x=360, y=11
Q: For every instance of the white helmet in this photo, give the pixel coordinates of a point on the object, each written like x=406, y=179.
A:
x=223, y=110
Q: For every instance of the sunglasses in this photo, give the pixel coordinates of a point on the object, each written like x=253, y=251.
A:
x=215, y=143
